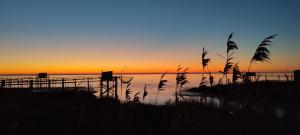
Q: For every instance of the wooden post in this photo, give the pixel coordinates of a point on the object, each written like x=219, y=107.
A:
x=22, y=82
x=88, y=83
x=40, y=81
x=18, y=86
x=116, y=87
x=101, y=88
x=31, y=85
x=49, y=84
x=63, y=84
x=107, y=88
x=75, y=84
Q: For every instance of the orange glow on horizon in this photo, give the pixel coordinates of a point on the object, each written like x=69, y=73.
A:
x=95, y=56
x=149, y=69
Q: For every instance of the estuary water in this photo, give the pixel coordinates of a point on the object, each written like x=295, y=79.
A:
x=151, y=82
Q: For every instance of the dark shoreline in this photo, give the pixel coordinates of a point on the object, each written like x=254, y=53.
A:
x=82, y=113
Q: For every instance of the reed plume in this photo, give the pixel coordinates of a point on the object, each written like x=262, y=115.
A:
x=128, y=92
x=204, y=62
x=211, y=79
x=136, y=98
x=161, y=85
x=180, y=80
x=262, y=53
x=203, y=82
x=145, y=92
x=181, y=77
x=231, y=46
x=236, y=73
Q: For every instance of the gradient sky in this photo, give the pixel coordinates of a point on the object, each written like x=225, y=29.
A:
x=87, y=36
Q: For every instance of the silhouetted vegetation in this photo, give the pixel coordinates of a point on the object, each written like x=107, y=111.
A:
x=262, y=53
x=161, y=85
x=181, y=80
x=83, y=113
x=145, y=93
x=204, y=63
x=268, y=107
x=231, y=46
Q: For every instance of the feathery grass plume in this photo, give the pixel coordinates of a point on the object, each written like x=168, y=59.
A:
x=145, y=92
x=136, y=98
x=161, y=85
x=178, y=77
x=204, y=62
x=228, y=66
x=128, y=92
x=231, y=46
x=211, y=79
x=236, y=73
x=262, y=53
x=181, y=80
x=203, y=82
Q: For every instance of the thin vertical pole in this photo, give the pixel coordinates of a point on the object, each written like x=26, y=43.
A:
x=40, y=81
x=101, y=87
x=116, y=87
x=22, y=82
x=75, y=84
x=88, y=83
x=31, y=85
x=107, y=88
x=63, y=84
x=49, y=84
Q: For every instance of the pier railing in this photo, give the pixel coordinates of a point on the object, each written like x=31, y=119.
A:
x=62, y=83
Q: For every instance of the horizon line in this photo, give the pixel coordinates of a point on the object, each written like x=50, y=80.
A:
x=128, y=73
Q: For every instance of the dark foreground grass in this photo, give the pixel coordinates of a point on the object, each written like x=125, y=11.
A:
x=285, y=95
x=82, y=113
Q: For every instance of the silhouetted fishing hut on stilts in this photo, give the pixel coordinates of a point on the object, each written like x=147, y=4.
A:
x=109, y=85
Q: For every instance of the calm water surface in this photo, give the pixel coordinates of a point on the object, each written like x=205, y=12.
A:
x=152, y=80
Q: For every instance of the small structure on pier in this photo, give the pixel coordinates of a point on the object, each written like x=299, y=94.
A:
x=297, y=76
x=42, y=75
x=109, y=84
x=43, y=81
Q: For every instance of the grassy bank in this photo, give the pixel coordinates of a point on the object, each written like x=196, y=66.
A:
x=82, y=113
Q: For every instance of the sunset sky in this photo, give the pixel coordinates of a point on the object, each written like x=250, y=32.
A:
x=88, y=36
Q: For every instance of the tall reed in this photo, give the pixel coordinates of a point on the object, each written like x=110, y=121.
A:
x=204, y=63
x=262, y=53
x=180, y=80
x=161, y=85
x=231, y=46
x=128, y=92
x=145, y=92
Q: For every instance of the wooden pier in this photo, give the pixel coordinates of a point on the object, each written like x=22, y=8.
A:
x=41, y=84
x=105, y=84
